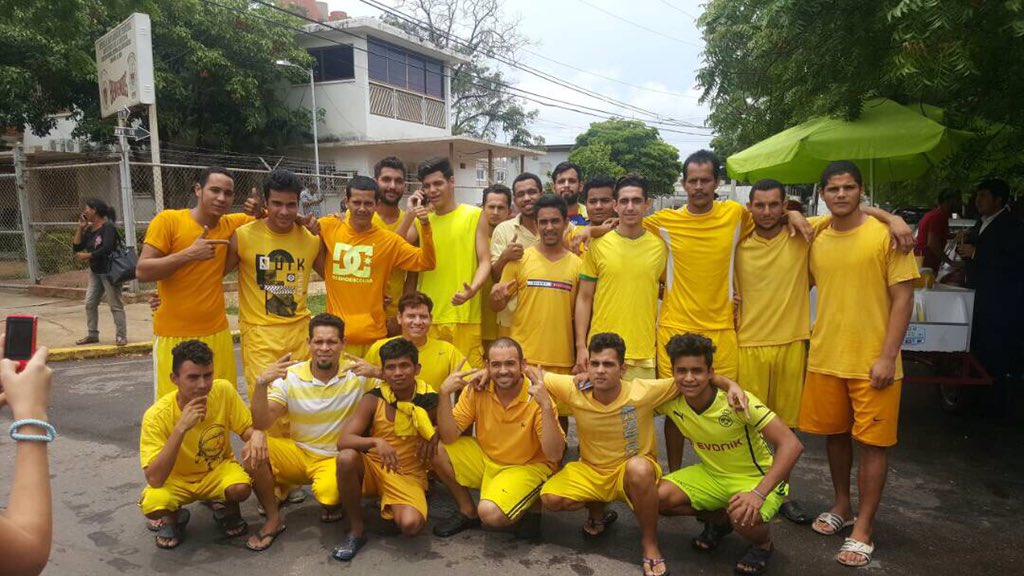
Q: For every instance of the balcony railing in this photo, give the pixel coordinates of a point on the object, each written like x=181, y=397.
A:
x=395, y=103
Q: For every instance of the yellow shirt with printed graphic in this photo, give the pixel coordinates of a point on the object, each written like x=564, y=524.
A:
x=273, y=273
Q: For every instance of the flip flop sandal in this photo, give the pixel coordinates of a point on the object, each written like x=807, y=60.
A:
x=835, y=523
x=331, y=516
x=711, y=536
x=864, y=551
x=174, y=531
x=153, y=525
x=649, y=564
x=261, y=536
x=231, y=525
x=755, y=558
x=607, y=520
x=794, y=512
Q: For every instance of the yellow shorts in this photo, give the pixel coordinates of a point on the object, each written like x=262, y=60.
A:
x=775, y=374
x=177, y=492
x=223, y=359
x=580, y=482
x=394, y=489
x=465, y=338
x=293, y=466
x=643, y=369
x=513, y=488
x=710, y=491
x=834, y=405
x=726, y=350
x=264, y=345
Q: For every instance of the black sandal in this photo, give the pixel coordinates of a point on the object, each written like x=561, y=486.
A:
x=793, y=512
x=711, y=536
x=232, y=525
x=173, y=531
x=756, y=559
x=607, y=520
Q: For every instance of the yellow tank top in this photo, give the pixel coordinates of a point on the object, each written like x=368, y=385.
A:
x=405, y=446
x=455, y=246
x=273, y=273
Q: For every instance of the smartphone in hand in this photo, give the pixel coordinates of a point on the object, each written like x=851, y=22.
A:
x=20, y=339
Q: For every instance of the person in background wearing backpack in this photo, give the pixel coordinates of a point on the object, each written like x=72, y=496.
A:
x=94, y=241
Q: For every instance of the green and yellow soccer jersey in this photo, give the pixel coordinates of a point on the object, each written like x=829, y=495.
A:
x=727, y=442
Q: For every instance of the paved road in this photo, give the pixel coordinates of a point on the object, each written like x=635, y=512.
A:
x=952, y=503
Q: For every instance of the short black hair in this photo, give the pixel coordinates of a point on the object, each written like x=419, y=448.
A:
x=997, y=187
x=281, y=180
x=608, y=340
x=389, y=162
x=442, y=165
x=565, y=167
x=415, y=299
x=600, y=181
x=205, y=174
x=327, y=319
x=631, y=179
x=194, y=351
x=504, y=342
x=765, y=184
x=498, y=189
x=552, y=201
x=840, y=167
x=704, y=157
x=399, y=348
x=528, y=176
x=690, y=344
x=362, y=183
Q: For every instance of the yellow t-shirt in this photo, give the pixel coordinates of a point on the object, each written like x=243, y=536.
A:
x=612, y=433
x=358, y=266
x=699, y=279
x=626, y=296
x=509, y=435
x=853, y=271
x=503, y=234
x=207, y=444
x=455, y=241
x=192, y=298
x=396, y=283
x=273, y=273
x=728, y=443
x=438, y=359
x=546, y=291
x=775, y=290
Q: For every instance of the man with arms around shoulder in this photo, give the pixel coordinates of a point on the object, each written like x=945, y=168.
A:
x=513, y=236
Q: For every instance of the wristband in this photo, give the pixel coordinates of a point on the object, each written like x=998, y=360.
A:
x=51, y=433
x=762, y=496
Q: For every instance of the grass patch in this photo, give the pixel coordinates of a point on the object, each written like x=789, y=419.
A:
x=316, y=303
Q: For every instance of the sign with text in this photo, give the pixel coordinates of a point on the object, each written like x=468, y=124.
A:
x=124, y=65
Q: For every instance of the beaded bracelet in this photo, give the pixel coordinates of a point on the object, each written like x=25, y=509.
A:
x=762, y=496
x=51, y=432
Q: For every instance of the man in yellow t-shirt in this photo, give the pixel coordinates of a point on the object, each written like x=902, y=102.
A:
x=389, y=173
x=619, y=282
x=437, y=357
x=854, y=371
x=497, y=205
x=360, y=257
x=544, y=282
x=463, y=261
x=275, y=257
x=738, y=484
x=184, y=252
x=517, y=445
x=512, y=237
x=185, y=449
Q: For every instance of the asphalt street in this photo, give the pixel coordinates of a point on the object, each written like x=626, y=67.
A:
x=952, y=504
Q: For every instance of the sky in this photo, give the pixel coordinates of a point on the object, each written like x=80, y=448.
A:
x=644, y=53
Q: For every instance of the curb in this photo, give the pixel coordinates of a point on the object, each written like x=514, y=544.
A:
x=109, y=350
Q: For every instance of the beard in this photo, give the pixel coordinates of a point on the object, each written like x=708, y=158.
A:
x=324, y=365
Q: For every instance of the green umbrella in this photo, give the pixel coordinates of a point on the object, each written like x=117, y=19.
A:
x=889, y=142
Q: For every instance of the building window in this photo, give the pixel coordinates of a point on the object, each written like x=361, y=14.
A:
x=405, y=69
x=499, y=176
x=481, y=174
x=332, y=63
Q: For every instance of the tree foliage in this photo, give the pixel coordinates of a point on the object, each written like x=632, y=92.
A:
x=481, y=104
x=615, y=147
x=771, y=64
x=216, y=81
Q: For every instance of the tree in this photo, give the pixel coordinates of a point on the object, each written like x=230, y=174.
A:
x=481, y=103
x=615, y=147
x=217, y=84
x=771, y=64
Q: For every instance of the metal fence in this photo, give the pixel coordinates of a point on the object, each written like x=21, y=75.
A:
x=40, y=205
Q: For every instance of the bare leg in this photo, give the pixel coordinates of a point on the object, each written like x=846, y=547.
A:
x=350, y=489
x=673, y=445
x=446, y=473
x=641, y=488
x=840, y=462
x=871, y=475
x=408, y=519
x=263, y=484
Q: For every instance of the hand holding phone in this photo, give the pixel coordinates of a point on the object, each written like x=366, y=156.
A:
x=20, y=339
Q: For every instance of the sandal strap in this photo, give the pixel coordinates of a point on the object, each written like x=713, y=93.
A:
x=654, y=561
x=834, y=520
x=857, y=547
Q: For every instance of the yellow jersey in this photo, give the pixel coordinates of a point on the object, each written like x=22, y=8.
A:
x=192, y=298
x=853, y=271
x=627, y=271
x=358, y=267
x=612, y=433
x=207, y=444
x=273, y=273
x=502, y=236
x=546, y=291
x=699, y=279
x=438, y=359
x=455, y=241
x=727, y=443
x=774, y=288
x=396, y=283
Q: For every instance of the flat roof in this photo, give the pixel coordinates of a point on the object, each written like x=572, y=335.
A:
x=375, y=27
x=465, y=146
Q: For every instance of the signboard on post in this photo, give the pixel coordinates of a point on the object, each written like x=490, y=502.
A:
x=124, y=65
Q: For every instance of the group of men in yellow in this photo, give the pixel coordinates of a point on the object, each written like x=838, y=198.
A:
x=407, y=372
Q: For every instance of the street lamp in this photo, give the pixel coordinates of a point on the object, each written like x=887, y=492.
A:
x=316, y=141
